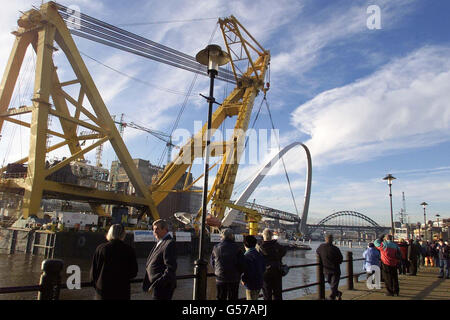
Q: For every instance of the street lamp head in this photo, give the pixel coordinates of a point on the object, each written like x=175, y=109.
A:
x=424, y=204
x=389, y=178
x=213, y=57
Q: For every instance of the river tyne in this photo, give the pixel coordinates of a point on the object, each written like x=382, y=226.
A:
x=24, y=269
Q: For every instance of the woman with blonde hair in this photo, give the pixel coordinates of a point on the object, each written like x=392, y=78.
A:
x=113, y=266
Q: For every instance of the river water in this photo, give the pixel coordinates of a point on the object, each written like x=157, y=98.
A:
x=25, y=269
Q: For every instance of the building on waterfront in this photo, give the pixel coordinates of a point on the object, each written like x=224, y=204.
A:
x=79, y=173
x=175, y=202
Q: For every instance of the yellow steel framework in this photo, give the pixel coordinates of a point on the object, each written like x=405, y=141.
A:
x=252, y=216
x=42, y=28
x=245, y=51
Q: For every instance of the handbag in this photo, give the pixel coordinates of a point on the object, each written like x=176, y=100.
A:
x=284, y=269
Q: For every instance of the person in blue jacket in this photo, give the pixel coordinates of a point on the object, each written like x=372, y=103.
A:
x=372, y=256
x=255, y=266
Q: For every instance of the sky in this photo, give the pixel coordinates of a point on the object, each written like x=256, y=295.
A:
x=366, y=93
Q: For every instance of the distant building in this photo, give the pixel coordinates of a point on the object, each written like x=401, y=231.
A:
x=174, y=202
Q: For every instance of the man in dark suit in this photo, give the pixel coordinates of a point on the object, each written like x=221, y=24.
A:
x=160, y=275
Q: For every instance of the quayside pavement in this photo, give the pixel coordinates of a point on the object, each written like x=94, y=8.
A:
x=424, y=286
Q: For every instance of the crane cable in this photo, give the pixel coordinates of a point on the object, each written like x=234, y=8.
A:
x=136, y=79
x=98, y=31
x=245, y=146
x=183, y=106
x=282, y=159
x=163, y=22
x=18, y=97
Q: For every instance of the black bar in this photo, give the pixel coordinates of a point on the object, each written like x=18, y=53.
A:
x=321, y=278
x=34, y=288
x=350, y=270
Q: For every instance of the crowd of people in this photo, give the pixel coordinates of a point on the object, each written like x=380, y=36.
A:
x=259, y=268
x=405, y=257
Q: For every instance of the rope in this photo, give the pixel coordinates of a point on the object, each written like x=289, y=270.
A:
x=162, y=22
x=183, y=106
x=102, y=32
x=279, y=149
x=245, y=146
x=136, y=79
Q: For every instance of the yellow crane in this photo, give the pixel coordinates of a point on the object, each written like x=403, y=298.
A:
x=46, y=27
x=241, y=47
x=252, y=216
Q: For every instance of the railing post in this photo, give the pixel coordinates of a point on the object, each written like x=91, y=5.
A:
x=12, y=246
x=350, y=270
x=50, y=281
x=321, y=279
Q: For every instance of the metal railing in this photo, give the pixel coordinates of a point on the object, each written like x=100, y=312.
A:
x=13, y=175
x=50, y=283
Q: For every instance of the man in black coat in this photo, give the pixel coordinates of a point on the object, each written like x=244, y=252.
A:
x=413, y=256
x=273, y=252
x=331, y=258
x=227, y=259
x=160, y=275
x=444, y=259
x=113, y=266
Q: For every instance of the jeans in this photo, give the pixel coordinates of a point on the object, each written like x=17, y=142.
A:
x=272, y=287
x=444, y=265
x=333, y=280
x=391, y=279
x=403, y=266
x=227, y=290
x=413, y=266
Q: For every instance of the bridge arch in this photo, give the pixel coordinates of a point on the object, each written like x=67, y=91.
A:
x=348, y=213
x=243, y=197
x=339, y=214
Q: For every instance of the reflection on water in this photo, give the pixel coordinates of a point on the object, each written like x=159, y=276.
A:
x=24, y=269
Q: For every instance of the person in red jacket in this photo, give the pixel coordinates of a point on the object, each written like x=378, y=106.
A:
x=404, y=265
x=390, y=256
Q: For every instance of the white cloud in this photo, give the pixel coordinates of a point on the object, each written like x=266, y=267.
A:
x=403, y=105
x=340, y=22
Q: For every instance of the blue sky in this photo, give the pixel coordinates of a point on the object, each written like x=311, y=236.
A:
x=366, y=102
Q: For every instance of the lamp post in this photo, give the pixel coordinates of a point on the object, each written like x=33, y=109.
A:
x=212, y=57
x=424, y=204
x=389, y=179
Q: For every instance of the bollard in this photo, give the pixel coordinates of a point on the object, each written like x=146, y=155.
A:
x=201, y=280
x=320, y=279
x=350, y=270
x=50, y=279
